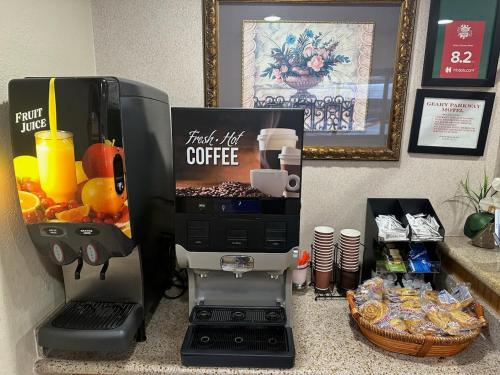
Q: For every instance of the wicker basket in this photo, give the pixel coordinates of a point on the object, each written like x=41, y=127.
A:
x=416, y=345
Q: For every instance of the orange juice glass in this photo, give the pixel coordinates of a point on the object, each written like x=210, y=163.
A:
x=56, y=164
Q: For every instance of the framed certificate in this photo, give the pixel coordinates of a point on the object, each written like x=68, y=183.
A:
x=462, y=43
x=451, y=122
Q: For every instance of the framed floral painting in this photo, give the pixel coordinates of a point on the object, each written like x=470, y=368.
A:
x=345, y=62
x=320, y=66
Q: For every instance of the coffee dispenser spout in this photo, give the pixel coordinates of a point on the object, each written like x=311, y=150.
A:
x=78, y=268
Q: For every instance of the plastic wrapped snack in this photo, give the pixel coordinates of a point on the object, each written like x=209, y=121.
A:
x=412, y=304
x=394, y=324
x=422, y=327
x=447, y=301
x=442, y=319
x=372, y=289
x=400, y=294
x=374, y=311
x=462, y=294
x=466, y=321
x=431, y=296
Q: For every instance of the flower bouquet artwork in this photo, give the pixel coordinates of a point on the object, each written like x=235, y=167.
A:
x=323, y=67
x=303, y=62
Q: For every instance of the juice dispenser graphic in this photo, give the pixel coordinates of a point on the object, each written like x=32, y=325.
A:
x=80, y=146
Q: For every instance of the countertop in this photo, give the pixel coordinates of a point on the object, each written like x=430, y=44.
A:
x=325, y=343
x=482, y=263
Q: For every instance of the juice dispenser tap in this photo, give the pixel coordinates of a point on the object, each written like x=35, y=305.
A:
x=78, y=268
x=86, y=197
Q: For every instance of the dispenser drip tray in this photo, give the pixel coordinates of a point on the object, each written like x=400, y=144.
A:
x=93, y=326
x=238, y=346
x=238, y=337
x=93, y=315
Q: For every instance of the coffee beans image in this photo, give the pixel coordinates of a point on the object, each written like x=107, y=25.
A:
x=224, y=189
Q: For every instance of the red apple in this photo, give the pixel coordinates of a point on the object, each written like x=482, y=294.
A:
x=98, y=160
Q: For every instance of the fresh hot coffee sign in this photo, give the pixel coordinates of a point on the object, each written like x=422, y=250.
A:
x=215, y=148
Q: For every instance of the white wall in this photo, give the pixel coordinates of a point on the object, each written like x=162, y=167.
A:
x=159, y=42
x=37, y=38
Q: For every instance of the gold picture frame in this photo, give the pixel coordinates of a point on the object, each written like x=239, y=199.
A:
x=391, y=148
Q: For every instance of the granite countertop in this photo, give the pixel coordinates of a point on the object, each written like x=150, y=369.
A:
x=325, y=343
x=482, y=263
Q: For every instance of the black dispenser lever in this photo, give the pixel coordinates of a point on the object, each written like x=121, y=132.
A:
x=104, y=269
x=78, y=268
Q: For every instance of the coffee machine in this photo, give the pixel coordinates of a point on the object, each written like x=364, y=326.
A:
x=237, y=174
x=92, y=159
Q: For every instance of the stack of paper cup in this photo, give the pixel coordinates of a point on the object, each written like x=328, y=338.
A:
x=323, y=256
x=349, y=249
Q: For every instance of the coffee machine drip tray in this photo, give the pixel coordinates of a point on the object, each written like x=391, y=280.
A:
x=238, y=337
x=225, y=345
x=93, y=326
x=238, y=315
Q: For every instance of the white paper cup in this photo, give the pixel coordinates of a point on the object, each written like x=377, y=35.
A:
x=350, y=233
x=324, y=230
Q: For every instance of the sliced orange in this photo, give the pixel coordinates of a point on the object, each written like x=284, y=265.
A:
x=74, y=214
x=29, y=201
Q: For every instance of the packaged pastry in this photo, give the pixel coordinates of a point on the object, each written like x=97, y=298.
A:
x=374, y=311
x=430, y=295
x=421, y=327
x=465, y=320
x=372, y=289
x=447, y=301
x=442, y=319
x=398, y=324
x=439, y=318
x=400, y=294
x=402, y=291
x=411, y=304
x=395, y=324
x=462, y=294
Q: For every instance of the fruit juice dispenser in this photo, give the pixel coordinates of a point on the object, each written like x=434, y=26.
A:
x=237, y=232
x=92, y=160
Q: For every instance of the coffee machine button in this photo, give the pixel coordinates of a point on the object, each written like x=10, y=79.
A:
x=199, y=243
x=275, y=244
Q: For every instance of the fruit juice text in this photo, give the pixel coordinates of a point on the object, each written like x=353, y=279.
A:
x=56, y=165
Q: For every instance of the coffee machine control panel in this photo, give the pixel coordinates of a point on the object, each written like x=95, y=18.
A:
x=207, y=224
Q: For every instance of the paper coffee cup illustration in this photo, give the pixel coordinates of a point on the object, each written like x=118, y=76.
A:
x=271, y=142
x=272, y=182
x=290, y=159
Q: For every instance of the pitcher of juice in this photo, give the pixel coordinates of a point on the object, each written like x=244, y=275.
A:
x=56, y=164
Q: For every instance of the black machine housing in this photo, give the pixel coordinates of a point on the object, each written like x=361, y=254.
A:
x=137, y=117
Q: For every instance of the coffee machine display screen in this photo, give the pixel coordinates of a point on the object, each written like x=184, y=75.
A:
x=247, y=153
x=69, y=162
